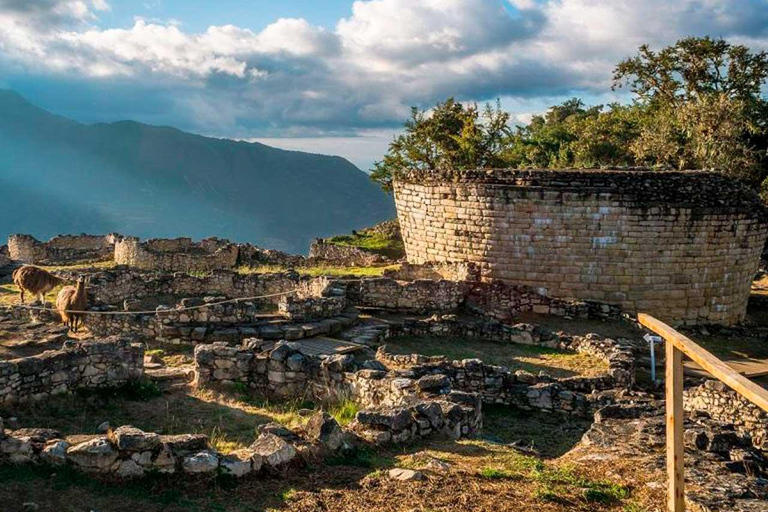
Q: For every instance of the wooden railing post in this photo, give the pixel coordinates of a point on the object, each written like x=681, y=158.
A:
x=675, y=420
x=676, y=345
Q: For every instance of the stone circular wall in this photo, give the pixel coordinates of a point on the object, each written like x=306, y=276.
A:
x=682, y=246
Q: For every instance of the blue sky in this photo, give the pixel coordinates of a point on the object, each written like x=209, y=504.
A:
x=334, y=76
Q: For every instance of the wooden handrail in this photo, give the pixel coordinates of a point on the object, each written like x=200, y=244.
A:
x=676, y=345
x=721, y=371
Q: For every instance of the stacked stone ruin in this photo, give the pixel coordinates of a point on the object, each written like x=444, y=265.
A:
x=682, y=246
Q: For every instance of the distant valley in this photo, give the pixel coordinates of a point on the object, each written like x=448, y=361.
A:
x=61, y=176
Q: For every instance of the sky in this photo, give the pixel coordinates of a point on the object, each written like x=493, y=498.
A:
x=335, y=76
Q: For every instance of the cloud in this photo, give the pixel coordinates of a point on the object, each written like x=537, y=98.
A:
x=294, y=78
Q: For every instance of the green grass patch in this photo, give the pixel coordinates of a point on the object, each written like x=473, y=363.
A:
x=498, y=474
x=317, y=271
x=344, y=411
x=557, y=363
x=371, y=241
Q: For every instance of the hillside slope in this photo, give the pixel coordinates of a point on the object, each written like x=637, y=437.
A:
x=57, y=175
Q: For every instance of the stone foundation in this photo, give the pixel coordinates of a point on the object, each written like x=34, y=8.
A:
x=63, y=249
x=78, y=365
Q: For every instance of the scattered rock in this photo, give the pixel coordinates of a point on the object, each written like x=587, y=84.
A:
x=405, y=475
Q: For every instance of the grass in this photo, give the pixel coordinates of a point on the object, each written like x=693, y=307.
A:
x=371, y=241
x=343, y=411
x=531, y=358
x=229, y=421
x=318, y=271
x=551, y=435
x=481, y=476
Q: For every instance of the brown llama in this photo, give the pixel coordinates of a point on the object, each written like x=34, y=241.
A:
x=35, y=280
x=72, y=303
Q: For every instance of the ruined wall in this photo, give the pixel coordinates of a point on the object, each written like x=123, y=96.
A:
x=62, y=249
x=114, y=286
x=723, y=404
x=5, y=257
x=179, y=254
x=321, y=251
x=77, y=365
x=418, y=296
x=682, y=246
x=395, y=408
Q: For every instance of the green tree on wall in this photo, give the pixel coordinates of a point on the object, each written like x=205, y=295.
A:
x=697, y=104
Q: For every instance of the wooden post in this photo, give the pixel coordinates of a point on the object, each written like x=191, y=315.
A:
x=677, y=345
x=675, y=420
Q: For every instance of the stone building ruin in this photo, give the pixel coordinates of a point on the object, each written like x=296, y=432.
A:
x=682, y=246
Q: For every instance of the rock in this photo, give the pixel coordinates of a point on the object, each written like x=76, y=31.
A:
x=129, y=469
x=165, y=462
x=405, y=475
x=201, y=462
x=437, y=465
x=236, y=466
x=325, y=429
x=94, y=455
x=55, y=452
x=185, y=442
x=274, y=450
x=433, y=383
x=278, y=430
x=132, y=439
x=103, y=428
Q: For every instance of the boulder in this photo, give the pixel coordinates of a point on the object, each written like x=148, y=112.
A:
x=55, y=452
x=132, y=439
x=405, y=475
x=129, y=469
x=433, y=383
x=201, y=462
x=98, y=454
x=325, y=429
x=274, y=450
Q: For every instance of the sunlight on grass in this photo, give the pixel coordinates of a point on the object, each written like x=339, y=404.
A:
x=318, y=271
x=558, y=363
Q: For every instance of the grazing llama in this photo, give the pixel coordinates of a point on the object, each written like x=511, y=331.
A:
x=35, y=280
x=72, y=303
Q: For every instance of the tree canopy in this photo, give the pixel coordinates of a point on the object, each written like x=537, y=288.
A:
x=696, y=104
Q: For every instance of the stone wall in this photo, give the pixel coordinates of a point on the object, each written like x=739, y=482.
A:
x=78, y=365
x=344, y=256
x=414, y=296
x=179, y=254
x=494, y=383
x=723, y=404
x=62, y=249
x=114, y=286
x=5, y=257
x=396, y=408
x=682, y=246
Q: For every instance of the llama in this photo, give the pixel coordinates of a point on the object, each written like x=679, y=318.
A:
x=72, y=303
x=35, y=280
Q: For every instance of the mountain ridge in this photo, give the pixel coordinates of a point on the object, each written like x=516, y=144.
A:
x=151, y=181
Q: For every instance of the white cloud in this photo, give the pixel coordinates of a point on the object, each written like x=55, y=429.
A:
x=386, y=55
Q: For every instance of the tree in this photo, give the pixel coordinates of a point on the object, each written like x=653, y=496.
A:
x=704, y=106
x=451, y=136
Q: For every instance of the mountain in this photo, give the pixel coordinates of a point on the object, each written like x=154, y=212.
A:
x=61, y=176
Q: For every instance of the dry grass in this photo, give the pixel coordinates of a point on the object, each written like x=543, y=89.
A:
x=482, y=477
x=230, y=420
x=558, y=363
